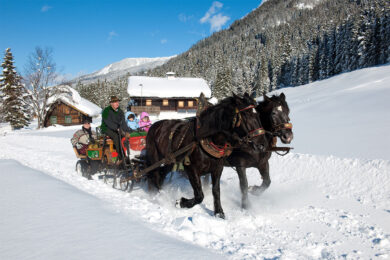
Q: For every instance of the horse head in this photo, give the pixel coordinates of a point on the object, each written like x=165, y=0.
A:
x=274, y=114
x=248, y=126
x=234, y=116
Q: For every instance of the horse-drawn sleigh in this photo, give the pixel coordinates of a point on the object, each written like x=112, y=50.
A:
x=236, y=132
x=102, y=157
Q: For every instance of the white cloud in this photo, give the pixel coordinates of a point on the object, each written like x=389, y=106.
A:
x=164, y=41
x=217, y=21
x=214, y=17
x=185, y=18
x=212, y=10
x=111, y=35
x=45, y=8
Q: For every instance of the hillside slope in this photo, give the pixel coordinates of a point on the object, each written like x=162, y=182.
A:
x=347, y=115
x=289, y=43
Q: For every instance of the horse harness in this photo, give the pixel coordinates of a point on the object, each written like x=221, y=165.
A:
x=237, y=120
x=276, y=131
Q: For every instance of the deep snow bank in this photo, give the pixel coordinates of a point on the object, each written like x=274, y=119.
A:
x=44, y=218
x=347, y=115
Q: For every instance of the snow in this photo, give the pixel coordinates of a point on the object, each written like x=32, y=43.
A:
x=327, y=200
x=349, y=115
x=74, y=99
x=131, y=63
x=310, y=5
x=167, y=87
x=85, y=233
x=121, y=68
x=304, y=6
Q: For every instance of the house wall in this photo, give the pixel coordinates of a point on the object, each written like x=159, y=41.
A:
x=60, y=111
x=173, y=103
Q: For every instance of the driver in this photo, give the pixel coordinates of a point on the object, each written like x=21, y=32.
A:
x=113, y=123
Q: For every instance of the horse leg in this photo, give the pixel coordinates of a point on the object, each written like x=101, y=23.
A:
x=264, y=171
x=216, y=177
x=153, y=178
x=194, y=179
x=241, y=171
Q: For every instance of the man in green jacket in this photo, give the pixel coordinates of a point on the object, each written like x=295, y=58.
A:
x=113, y=121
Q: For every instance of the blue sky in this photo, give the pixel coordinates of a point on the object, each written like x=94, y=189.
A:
x=87, y=35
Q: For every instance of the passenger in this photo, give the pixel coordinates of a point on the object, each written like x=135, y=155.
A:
x=145, y=123
x=113, y=123
x=131, y=120
x=84, y=136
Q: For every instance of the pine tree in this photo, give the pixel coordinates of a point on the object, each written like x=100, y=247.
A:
x=223, y=84
x=14, y=107
x=262, y=84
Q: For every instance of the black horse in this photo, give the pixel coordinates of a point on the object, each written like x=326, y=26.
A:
x=234, y=120
x=274, y=117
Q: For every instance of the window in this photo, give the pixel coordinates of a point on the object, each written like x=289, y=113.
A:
x=191, y=103
x=181, y=104
x=165, y=102
x=68, y=119
x=53, y=120
x=148, y=102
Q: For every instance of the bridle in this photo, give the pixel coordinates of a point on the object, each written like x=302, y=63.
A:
x=237, y=120
x=277, y=130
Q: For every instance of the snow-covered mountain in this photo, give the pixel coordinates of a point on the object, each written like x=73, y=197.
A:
x=121, y=68
x=329, y=198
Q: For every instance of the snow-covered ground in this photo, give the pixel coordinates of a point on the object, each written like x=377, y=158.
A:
x=329, y=198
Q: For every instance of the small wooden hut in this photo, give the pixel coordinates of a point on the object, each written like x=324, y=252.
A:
x=69, y=109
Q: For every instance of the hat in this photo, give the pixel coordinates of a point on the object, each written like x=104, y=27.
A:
x=114, y=99
x=86, y=119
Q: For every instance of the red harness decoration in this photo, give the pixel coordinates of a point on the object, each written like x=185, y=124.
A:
x=256, y=132
x=216, y=150
x=246, y=108
x=220, y=150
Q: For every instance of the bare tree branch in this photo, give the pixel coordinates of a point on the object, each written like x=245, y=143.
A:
x=40, y=77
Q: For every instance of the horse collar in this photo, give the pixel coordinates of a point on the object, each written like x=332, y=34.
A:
x=214, y=150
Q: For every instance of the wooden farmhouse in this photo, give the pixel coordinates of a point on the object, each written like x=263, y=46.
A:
x=155, y=95
x=69, y=109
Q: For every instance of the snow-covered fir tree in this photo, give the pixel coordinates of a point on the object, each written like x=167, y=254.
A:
x=13, y=95
x=223, y=84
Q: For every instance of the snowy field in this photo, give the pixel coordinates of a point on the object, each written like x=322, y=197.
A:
x=329, y=198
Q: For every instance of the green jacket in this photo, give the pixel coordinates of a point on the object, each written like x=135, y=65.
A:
x=113, y=120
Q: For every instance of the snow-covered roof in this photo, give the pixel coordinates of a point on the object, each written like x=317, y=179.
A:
x=74, y=99
x=167, y=87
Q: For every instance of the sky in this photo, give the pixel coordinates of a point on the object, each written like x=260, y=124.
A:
x=86, y=35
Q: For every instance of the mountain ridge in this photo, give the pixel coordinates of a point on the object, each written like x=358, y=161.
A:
x=121, y=68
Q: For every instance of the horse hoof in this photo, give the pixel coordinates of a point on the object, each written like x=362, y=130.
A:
x=177, y=204
x=220, y=215
x=255, y=190
x=245, y=205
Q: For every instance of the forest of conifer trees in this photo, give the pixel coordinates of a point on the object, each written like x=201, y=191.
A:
x=281, y=43
x=290, y=43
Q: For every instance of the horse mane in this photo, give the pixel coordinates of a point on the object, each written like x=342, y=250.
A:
x=217, y=118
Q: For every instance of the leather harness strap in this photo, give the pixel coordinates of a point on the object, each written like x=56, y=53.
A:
x=216, y=150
